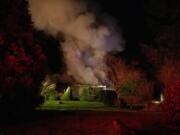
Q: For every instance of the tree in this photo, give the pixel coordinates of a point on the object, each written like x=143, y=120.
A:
x=171, y=102
x=169, y=71
x=22, y=69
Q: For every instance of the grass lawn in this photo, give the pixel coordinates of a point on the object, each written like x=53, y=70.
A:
x=75, y=105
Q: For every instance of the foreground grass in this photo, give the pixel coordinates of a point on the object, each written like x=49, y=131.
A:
x=75, y=105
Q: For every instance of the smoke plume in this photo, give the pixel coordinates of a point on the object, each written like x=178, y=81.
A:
x=87, y=41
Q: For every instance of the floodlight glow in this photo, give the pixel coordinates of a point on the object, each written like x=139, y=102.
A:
x=102, y=86
x=156, y=102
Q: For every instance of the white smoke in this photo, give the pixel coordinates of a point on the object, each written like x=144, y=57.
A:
x=86, y=41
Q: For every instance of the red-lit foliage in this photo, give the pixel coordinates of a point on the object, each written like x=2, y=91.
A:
x=169, y=71
x=146, y=90
x=171, y=102
x=22, y=68
x=119, y=72
x=167, y=65
x=122, y=74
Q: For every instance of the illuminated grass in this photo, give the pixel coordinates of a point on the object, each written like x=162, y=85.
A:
x=74, y=105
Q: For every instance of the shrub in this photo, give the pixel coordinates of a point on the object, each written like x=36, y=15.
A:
x=129, y=88
x=136, y=92
x=85, y=93
x=88, y=93
x=49, y=92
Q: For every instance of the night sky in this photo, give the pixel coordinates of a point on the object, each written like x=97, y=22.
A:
x=140, y=21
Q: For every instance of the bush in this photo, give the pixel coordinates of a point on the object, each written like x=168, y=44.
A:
x=129, y=88
x=135, y=93
x=88, y=93
x=49, y=92
x=85, y=94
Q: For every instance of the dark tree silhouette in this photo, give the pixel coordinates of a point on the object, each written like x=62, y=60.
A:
x=22, y=69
